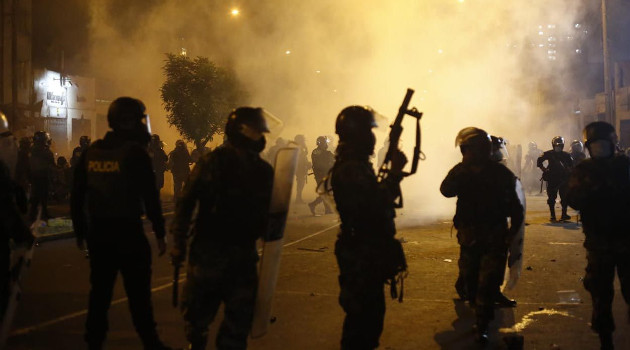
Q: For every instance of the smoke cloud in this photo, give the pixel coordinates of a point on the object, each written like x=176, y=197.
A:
x=471, y=63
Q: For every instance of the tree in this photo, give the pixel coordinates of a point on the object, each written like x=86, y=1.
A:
x=198, y=95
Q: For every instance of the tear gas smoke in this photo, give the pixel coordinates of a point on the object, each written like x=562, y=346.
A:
x=472, y=63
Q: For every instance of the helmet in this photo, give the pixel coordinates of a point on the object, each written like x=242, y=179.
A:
x=557, y=141
x=4, y=124
x=577, y=146
x=251, y=117
x=84, y=141
x=180, y=143
x=125, y=113
x=155, y=138
x=354, y=120
x=322, y=140
x=41, y=138
x=532, y=146
x=599, y=131
x=472, y=136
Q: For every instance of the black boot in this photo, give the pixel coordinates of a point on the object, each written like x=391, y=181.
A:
x=504, y=301
x=552, y=210
x=606, y=341
x=565, y=216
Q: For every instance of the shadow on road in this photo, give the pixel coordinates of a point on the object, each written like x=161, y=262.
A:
x=462, y=336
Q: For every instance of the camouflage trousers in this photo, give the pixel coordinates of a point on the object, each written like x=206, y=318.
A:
x=482, y=271
x=599, y=281
x=223, y=275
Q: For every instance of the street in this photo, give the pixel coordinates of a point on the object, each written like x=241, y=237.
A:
x=52, y=312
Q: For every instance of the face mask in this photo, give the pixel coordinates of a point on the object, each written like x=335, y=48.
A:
x=558, y=148
x=600, y=149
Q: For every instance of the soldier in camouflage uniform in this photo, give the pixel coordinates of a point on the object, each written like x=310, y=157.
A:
x=486, y=197
x=600, y=188
x=232, y=186
x=366, y=209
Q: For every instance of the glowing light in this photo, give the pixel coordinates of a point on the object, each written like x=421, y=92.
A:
x=287, y=52
x=235, y=12
x=440, y=51
x=183, y=51
x=461, y=1
x=578, y=51
x=577, y=25
x=541, y=33
x=318, y=71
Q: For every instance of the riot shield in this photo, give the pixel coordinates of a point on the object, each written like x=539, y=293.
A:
x=21, y=257
x=284, y=173
x=515, y=250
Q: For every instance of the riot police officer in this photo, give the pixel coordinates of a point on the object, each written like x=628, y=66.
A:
x=113, y=187
x=323, y=160
x=531, y=173
x=159, y=160
x=366, y=209
x=8, y=146
x=486, y=197
x=599, y=188
x=12, y=206
x=42, y=162
x=179, y=163
x=84, y=143
x=23, y=164
x=301, y=172
x=556, y=174
x=498, y=154
x=232, y=186
x=577, y=152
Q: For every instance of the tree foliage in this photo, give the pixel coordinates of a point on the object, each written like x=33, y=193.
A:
x=198, y=95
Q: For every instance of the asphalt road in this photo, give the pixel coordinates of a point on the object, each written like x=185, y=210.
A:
x=52, y=312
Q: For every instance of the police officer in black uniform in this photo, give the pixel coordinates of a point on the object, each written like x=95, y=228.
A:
x=113, y=187
x=42, y=162
x=486, y=197
x=322, y=160
x=179, y=163
x=159, y=160
x=232, y=186
x=84, y=143
x=366, y=209
x=12, y=206
x=577, y=152
x=556, y=174
x=599, y=188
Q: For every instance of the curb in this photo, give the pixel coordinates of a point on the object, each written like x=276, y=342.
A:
x=55, y=236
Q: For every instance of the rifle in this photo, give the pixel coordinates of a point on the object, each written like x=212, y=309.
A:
x=394, y=139
x=176, y=284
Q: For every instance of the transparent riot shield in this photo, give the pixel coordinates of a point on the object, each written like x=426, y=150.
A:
x=20, y=262
x=284, y=173
x=515, y=250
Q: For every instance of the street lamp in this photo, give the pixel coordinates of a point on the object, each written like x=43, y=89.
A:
x=235, y=12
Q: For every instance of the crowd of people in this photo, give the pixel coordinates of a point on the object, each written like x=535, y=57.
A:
x=116, y=180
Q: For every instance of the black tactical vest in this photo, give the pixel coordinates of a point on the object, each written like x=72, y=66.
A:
x=109, y=190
